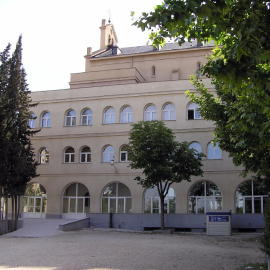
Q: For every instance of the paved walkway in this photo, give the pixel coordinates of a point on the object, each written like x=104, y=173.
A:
x=37, y=227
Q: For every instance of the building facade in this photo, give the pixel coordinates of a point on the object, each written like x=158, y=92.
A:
x=81, y=148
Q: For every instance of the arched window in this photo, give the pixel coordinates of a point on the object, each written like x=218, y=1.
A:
x=35, y=201
x=46, y=119
x=152, y=201
x=213, y=152
x=44, y=156
x=193, y=111
x=76, y=199
x=108, y=154
x=109, y=116
x=86, y=155
x=116, y=198
x=32, y=121
x=150, y=113
x=69, y=156
x=86, y=117
x=204, y=196
x=71, y=118
x=126, y=115
x=250, y=198
x=168, y=112
x=124, y=154
x=196, y=146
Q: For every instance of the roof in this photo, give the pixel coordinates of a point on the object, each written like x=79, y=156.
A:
x=150, y=49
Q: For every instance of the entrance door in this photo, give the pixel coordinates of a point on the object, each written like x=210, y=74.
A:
x=35, y=201
x=76, y=202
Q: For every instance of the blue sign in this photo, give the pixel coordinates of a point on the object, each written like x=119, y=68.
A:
x=218, y=219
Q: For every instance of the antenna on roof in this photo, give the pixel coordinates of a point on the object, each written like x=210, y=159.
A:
x=109, y=16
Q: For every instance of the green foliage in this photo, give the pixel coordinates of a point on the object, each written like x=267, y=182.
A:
x=153, y=148
x=239, y=125
x=18, y=166
x=239, y=69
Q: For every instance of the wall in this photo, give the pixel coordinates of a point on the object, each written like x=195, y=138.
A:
x=183, y=222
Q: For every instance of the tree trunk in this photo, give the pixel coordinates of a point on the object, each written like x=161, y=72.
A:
x=6, y=212
x=12, y=213
x=162, y=223
x=16, y=213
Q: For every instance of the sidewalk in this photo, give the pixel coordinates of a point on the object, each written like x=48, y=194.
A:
x=38, y=227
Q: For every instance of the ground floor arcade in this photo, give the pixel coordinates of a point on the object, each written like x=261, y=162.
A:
x=77, y=197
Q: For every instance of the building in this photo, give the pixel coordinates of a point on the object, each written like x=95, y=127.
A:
x=84, y=133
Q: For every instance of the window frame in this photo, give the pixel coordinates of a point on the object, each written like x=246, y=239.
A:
x=126, y=115
x=156, y=209
x=192, y=109
x=251, y=198
x=214, y=199
x=70, y=120
x=150, y=113
x=116, y=200
x=86, y=155
x=171, y=112
x=69, y=156
x=198, y=149
x=76, y=198
x=215, y=149
x=46, y=120
x=124, y=152
x=44, y=156
x=108, y=154
x=32, y=120
x=109, y=117
x=89, y=117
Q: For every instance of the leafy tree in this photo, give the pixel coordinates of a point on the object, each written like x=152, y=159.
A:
x=239, y=69
x=153, y=148
x=18, y=163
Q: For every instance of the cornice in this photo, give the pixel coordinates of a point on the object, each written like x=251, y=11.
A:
x=112, y=134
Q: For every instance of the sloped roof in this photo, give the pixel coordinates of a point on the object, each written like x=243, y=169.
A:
x=150, y=48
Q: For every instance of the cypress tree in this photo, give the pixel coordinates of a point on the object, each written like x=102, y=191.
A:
x=4, y=75
x=20, y=165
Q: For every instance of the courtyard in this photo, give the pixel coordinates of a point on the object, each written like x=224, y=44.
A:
x=102, y=249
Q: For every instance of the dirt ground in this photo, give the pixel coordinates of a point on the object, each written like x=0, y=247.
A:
x=113, y=250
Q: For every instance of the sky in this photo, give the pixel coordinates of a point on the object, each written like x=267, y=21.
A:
x=56, y=34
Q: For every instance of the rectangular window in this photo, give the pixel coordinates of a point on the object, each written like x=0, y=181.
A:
x=73, y=121
x=197, y=114
x=24, y=204
x=120, y=205
x=124, y=157
x=104, y=205
x=38, y=205
x=112, y=205
x=130, y=118
x=190, y=114
x=124, y=118
x=166, y=115
x=80, y=205
x=72, y=205
x=128, y=205
x=155, y=205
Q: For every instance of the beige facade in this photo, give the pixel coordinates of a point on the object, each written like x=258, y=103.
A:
x=117, y=78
